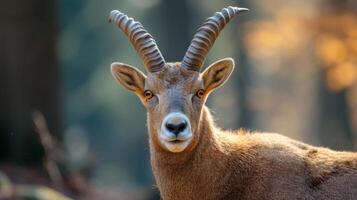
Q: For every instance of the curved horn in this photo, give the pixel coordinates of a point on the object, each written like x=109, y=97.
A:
x=206, y=35
x=142, y=41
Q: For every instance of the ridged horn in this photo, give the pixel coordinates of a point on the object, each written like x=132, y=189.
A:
x=142, y=41
x=205, y=37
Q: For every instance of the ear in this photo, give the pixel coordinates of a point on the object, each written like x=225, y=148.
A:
x=129, y=77
x=217, y=74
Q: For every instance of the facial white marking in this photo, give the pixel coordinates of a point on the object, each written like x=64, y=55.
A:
x=176, y=147
x=175, y=142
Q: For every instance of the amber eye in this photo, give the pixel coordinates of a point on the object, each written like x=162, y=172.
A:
x=200, y=93
x=148, y=94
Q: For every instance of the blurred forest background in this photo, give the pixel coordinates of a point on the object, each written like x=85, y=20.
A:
x=66, y=126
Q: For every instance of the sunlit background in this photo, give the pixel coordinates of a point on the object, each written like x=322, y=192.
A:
x=296, y=74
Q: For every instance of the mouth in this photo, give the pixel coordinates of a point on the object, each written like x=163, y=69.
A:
x=176, y=141
x=171, y=139
x=176, y=145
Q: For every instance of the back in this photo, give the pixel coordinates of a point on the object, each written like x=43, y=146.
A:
x=288, y=169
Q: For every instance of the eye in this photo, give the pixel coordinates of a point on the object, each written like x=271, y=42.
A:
x=200, y=93
x=148, y=94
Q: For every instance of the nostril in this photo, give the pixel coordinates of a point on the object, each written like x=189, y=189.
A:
x=176, y=128
x=170, y=127
x=181, y=126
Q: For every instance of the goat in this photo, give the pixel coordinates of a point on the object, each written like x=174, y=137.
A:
x=191, y=158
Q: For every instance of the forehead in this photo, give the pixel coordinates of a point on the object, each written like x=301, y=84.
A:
x=173, y=75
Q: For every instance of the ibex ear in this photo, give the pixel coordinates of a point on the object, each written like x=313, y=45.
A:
x=129, y=77
x=217, y=73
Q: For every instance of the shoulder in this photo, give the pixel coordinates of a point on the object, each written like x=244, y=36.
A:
x=276, y=150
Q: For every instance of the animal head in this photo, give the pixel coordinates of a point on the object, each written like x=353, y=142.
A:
x=174, y=93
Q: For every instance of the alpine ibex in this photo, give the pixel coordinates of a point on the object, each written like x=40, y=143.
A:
x=193, y=159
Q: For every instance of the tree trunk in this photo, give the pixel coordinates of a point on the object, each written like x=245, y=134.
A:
x=29, y=76
x=174, y=19
x=244, y=78
x=335, y=126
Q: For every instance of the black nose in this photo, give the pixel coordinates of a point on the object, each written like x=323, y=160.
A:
x=176, y=128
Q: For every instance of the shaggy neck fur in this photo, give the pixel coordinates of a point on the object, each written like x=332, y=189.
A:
x=180, y=176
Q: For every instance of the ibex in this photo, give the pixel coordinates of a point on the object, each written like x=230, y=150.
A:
x=191, y=158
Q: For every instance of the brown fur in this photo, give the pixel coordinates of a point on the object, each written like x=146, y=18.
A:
x=233, y=165
x=241, y=165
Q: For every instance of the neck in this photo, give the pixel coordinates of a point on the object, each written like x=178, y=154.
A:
x=171, y=170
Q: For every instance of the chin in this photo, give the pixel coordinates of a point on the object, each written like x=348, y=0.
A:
x=176, y=146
